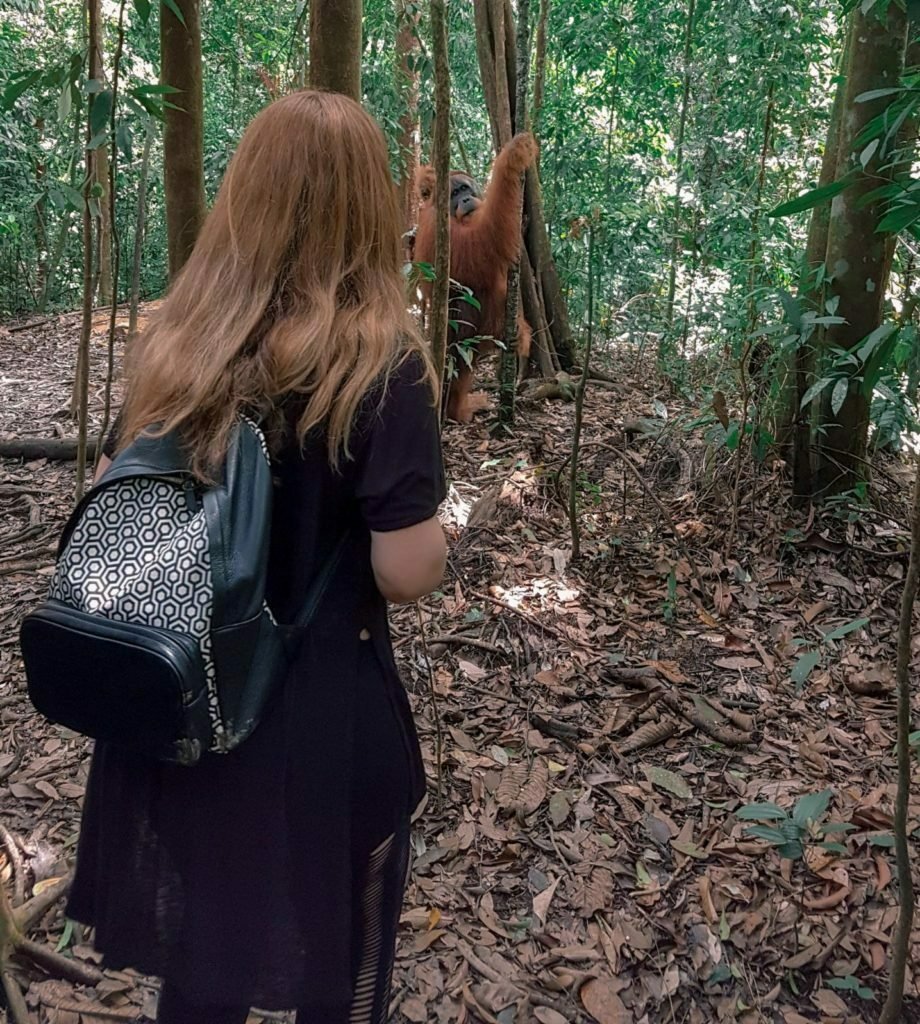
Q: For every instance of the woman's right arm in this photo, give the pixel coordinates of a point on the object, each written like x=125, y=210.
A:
x=400, y=484
x=409, y=563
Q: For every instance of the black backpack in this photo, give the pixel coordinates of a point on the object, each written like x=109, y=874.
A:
x=156, y=634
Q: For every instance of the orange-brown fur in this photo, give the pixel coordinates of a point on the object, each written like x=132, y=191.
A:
x=483, y=245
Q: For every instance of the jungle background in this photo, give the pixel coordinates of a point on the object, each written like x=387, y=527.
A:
x=657, y=692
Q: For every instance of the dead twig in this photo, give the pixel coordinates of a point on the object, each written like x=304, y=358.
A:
x=16, y=863
x=465, y=641
x=435, y=710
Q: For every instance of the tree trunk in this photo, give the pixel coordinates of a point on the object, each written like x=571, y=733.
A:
x=335, y=46
x=139, y=229
x=679, y=170
x=80, y=404
x=798, y=420
x=508, y=363
x=858, y=257
x=100, y=165
x=539, y=77
x=440, y=292
x=554, y=304
x=183, y=171
x=900, y=946
x=407, y=50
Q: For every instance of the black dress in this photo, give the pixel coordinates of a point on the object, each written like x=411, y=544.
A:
x=272, y=876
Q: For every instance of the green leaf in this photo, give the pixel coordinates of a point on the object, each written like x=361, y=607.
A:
x=73, y=197
x=839, y=394
x=761, y=812
x=143, y=10
x=65, y=102
x=834, y=848
x=812, y=807
x=101, y=112
x=66, y=936
x=16, y=87
x=803, y=668
x=876, y=94
x=93, y=86
x=792, y=850
x=125, y=140
x=868, y=152
x=732, y=436
x=155, y=89
x=816, y=390
x=899, y=218
x=873, y=340
x=772, y=835
x=174, y=7
x=846, y=629
x=99, y=139
x=836, y=826
x=809, y=200
x=884, y=841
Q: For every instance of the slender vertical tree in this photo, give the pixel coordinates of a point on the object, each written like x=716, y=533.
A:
x=101, y=166
x=798, y=427
x=407, y=50
x=180, y=54
x=679, y=168
x=858, y=255
x=335, y=46
x=440, y=293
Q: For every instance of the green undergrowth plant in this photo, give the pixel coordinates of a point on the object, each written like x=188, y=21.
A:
x=790, y=833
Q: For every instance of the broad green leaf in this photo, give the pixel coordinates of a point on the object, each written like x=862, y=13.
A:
x=143, y=10
x=839, y=394
x=811, y=807
x=732, y=436
x=884, y=841
x=868, y=152
x=836, y=826
x=99, y=139
x=792, y=850
x=874, y=339
x=16, y=87
x=772, y=835
x=125, y=140
x=816, y=390
x=899, y=218
x=809, y=200
x=761, y=812
x=876, y=94
x=155, y=89
x=669, y=781
x=174, y=7
x=846, y=629
x=803, y=668
x=65, y=102
x=102, y=110
x=834, y=848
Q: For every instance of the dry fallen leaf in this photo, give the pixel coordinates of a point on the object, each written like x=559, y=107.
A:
x=600, y=998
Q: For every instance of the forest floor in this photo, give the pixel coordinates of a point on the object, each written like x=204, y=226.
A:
x=567, y=873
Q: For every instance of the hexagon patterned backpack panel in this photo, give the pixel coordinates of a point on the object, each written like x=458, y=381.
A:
x=156, y=633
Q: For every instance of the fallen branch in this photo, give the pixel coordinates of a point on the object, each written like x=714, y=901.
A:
x=465, y=641
x=650, y=680
x=56, y=449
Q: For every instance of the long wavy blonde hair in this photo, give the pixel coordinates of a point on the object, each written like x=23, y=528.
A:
x=294, y=287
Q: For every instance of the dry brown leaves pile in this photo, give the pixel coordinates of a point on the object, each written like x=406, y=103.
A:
x=602, y=723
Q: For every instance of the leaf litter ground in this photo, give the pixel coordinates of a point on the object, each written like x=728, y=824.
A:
x=602, y=723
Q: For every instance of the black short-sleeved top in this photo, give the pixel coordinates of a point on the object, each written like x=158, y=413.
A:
x=234, y=877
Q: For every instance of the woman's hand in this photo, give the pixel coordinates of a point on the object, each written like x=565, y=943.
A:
x=408, y=564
